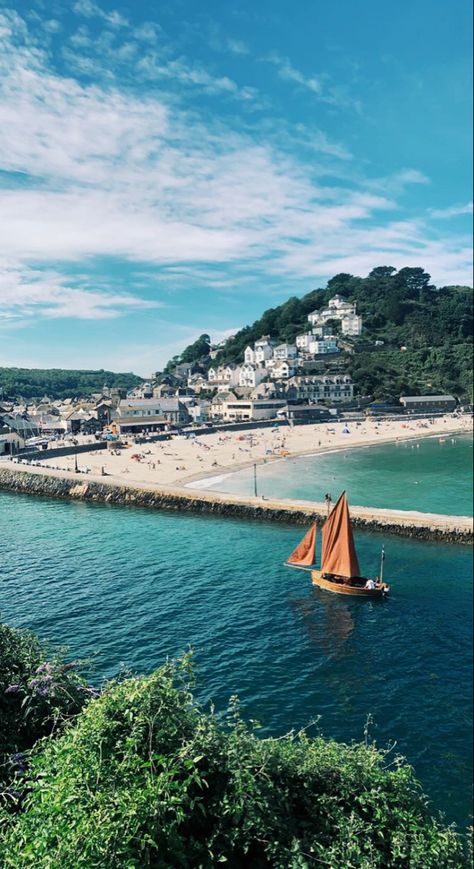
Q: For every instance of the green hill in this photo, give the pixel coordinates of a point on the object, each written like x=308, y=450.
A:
x=402, y=309
x=59, y=382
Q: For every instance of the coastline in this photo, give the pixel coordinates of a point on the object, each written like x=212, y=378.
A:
x=194, y=481
x=62, y=485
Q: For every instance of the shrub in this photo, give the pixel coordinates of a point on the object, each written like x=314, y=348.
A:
x=36, y=696
x=144, y=778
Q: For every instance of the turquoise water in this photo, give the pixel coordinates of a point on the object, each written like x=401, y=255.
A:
x=421, y=475
x=131, y=587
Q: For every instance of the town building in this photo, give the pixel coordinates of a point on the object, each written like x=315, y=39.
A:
x=246, y=409
x=428, y=403
x=314, y=388
x=341, y=310
x=251, y=375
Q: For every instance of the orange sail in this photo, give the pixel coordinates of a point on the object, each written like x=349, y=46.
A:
x=305, y=553
x=338, y=551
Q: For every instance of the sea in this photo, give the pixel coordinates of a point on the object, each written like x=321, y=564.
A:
x=126, y=587
x=432, y=475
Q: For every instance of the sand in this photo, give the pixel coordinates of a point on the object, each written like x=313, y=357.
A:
x=190, y=462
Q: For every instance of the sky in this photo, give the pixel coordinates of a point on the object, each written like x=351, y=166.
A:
x=174, y=168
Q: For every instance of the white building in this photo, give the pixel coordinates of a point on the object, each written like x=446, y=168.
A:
x=328, y=387
x=303, y=341
x=243, y=409
x=284, y=352
x=281, y=370
x=263, y=350
x=319, y=346
x=249, y=355
x=223, y=375
x=338, y=309
x=251, y=375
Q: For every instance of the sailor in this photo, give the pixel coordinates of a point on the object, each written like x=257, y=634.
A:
x=370, y=584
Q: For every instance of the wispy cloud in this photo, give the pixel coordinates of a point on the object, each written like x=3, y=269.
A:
x=452, y=211
x=143, y=177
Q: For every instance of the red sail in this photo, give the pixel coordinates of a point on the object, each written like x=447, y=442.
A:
x=305, y=552
x=338, y=551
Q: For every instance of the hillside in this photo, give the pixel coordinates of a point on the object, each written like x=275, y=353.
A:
x=401, y=309
x=59, y=382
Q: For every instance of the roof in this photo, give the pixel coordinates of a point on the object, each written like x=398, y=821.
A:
x=427, y=398
x=140, y=421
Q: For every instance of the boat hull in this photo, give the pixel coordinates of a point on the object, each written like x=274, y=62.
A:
x=340, y=588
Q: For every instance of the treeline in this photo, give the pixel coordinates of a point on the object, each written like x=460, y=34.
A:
x=402, y=309
x=139, y=775
x=59, y=382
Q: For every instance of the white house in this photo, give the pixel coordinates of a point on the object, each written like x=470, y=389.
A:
x=303, y=341
x=249, y=355
x=319, y=346
x=263, y=350
x=284, y=351
x=223, y=375
x=338, y=309
x=251, y=375
x=246, y=409
x=332, y=387
x=280, y=370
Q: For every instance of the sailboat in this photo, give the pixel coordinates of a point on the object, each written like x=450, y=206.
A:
x=339, y=571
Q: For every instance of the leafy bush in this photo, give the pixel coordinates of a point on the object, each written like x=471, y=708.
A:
x=36, y=696
x=144, y=778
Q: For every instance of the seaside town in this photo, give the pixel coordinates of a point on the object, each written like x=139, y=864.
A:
x=275, y=383
x=236, y=435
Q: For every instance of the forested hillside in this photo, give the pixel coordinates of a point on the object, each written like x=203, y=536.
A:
x=402, y=309
x=59, y=382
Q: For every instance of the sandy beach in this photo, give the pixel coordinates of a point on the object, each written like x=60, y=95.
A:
x=191, y=461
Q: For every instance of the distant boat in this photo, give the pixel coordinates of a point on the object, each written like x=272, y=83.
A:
x=339, y=571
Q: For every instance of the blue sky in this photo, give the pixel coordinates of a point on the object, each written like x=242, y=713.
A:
x=168, y=169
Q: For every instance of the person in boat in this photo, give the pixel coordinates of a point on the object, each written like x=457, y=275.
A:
x=370, y=585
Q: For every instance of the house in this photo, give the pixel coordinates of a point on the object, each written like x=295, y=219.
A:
x=197, y=382
x=428, y=403
x=10, y=441
x=246, y=409
x=284, y=352
x=199, y=411
x=251, y=375
x=130, y=425
x=263, y=350
x=314, y=388
x=249, y=355
x=172, y=409
x=163, y=390
x=223, y=375
x=303, y=414
x=303, y=341
x=338, y=309
x=322, y=346
x=280, y=370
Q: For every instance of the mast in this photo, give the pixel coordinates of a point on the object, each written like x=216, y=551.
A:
x=382, y=559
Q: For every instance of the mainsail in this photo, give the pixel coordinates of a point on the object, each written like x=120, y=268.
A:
x=305, y=553
x=338, y=551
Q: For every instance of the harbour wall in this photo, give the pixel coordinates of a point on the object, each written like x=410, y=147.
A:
x=447, y=529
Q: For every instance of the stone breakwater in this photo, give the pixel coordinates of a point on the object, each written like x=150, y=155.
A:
x=448, y=529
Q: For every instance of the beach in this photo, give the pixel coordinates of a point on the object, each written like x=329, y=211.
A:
x=196, y=461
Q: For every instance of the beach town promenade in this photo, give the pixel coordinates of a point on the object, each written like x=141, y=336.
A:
x=183, y=468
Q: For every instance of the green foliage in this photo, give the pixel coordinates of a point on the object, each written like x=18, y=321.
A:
x=401, y=308
x=60, y=383
x=144, y=778
x=38, y=692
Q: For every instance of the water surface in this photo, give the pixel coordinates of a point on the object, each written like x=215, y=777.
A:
x=132, y=586
x=429, y=475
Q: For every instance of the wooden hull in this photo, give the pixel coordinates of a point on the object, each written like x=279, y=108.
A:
x=340, y=588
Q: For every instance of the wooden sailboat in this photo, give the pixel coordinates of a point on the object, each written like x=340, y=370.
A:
x=339, y=571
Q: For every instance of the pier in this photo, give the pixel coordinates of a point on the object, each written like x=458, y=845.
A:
x=112, y=490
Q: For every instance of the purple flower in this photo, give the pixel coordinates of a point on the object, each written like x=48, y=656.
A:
x=13, y=689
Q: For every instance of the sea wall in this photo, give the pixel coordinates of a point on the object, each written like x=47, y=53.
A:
x=68, y=487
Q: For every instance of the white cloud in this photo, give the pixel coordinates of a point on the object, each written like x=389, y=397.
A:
x=26, y=292
x=89, y=9
x=288, y=72
x=108, y=173
x=452, y=211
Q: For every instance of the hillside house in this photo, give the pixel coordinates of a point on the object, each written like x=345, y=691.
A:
x=314, y=388
x=251, y=375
